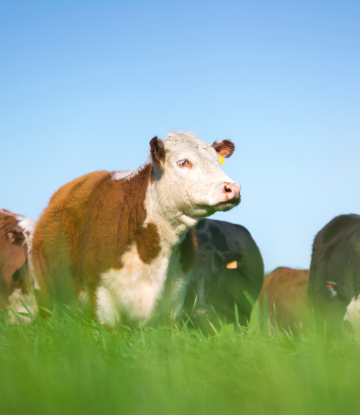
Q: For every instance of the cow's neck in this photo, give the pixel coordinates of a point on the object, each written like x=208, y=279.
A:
x=171, y=223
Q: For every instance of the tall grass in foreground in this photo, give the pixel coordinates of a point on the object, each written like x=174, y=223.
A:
x=67, y=365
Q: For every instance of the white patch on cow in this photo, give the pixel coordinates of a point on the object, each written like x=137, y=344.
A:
x=31, y=272
x=107, y=309
x=131, y=292
x=124, y=174
x=26, y=224
x=353, y=311
x=353, y=316
x=139, y=291
x=29, y=239
x=17, y=306
x=34, y=280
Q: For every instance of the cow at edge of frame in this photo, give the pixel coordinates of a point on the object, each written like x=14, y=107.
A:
x=228, y=270
x=15, y=280
x=334, y=280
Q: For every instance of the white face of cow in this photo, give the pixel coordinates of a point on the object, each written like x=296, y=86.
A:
x=189, y=178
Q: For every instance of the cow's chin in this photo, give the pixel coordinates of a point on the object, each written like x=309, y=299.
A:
x=226, y=205
x=205, y=210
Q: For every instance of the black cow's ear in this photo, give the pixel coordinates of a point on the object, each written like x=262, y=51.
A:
x=157, y=151
x=225, y=148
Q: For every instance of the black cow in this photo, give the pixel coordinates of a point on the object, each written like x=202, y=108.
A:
x=228, y=264
x=334, y=279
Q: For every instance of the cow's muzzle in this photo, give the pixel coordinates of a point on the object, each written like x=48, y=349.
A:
x=230, y=196
x=232, y=191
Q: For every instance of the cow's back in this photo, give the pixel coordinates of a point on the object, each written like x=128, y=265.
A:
x=283, y=297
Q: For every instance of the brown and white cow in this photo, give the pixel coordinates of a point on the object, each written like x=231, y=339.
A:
x=284, y=295
x=123, y=241
x=15, y=282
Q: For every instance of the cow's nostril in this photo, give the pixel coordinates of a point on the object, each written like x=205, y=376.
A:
x=232, y=190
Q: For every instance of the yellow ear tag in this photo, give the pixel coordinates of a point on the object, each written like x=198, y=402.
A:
x=231, y=265
x=221, y=159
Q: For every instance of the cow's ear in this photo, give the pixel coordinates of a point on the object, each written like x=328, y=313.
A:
x=9, y=227
x=157, y=151
x=15, y=235
x=225, y=148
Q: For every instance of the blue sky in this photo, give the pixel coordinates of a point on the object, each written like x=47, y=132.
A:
x=85, y=85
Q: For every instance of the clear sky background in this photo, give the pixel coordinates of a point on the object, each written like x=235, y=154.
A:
x=85, y=85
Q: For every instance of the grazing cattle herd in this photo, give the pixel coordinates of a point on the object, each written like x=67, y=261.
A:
x=133, y=247
x=334, y=280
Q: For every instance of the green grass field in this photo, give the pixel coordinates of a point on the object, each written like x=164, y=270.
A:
x=67, y=365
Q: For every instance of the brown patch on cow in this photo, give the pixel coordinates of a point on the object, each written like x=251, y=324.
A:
x=87, y=227
x=286, y=289
x=188, y=249
x=157, y=151
x=225, y=148
x=148, y=242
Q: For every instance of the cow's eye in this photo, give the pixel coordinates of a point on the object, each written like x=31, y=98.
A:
x=183, y=163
